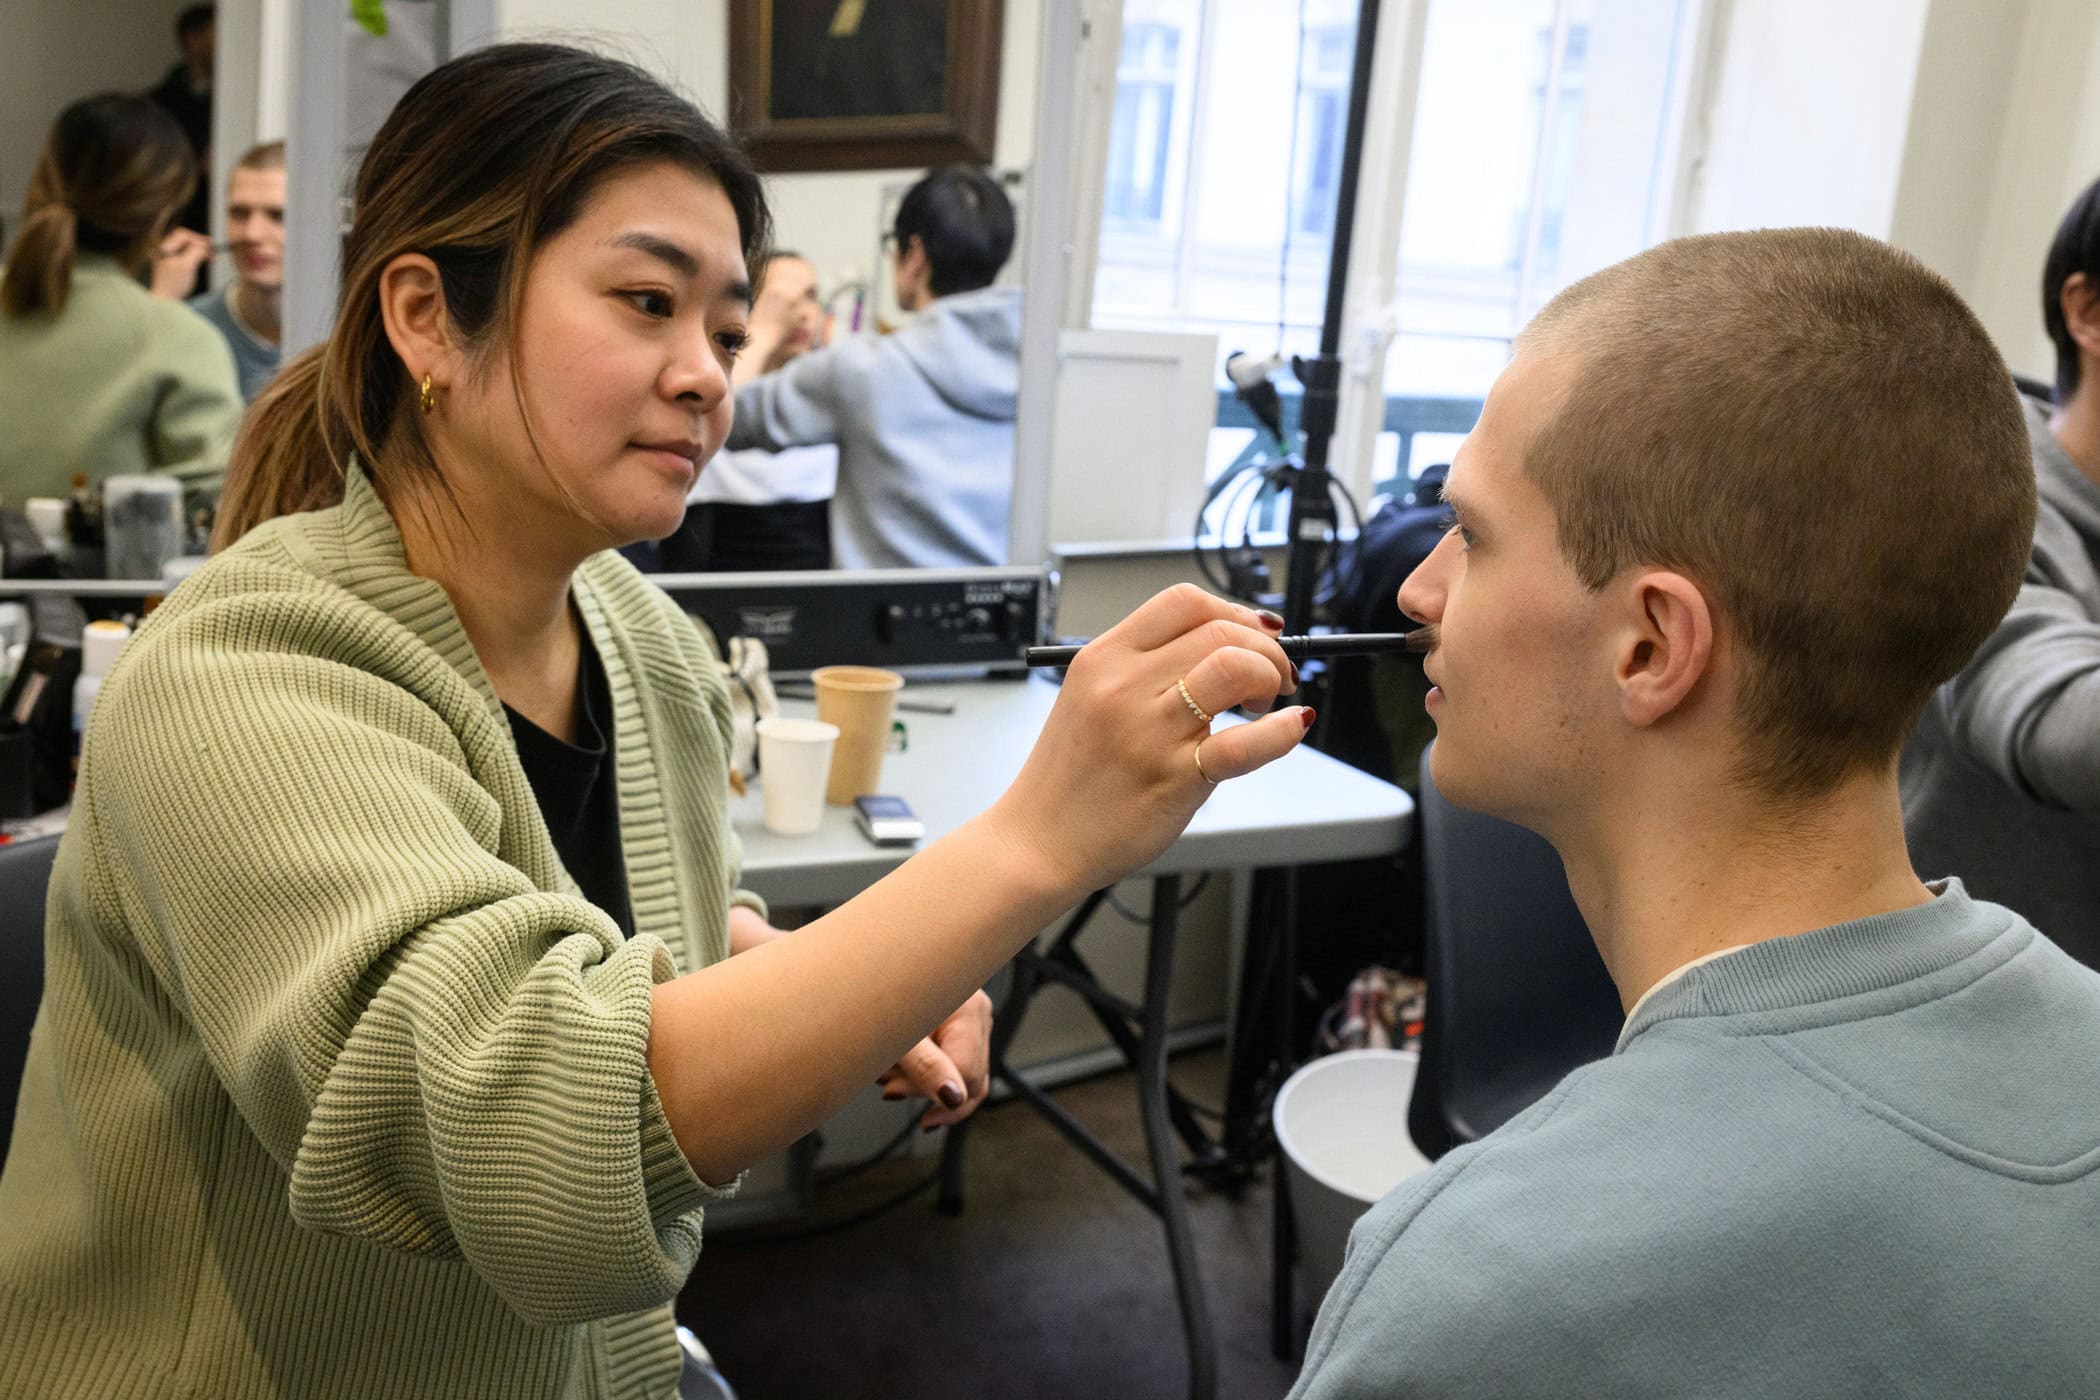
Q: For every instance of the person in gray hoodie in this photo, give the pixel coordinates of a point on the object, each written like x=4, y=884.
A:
x=1732, y=513
x=2001, y=781
x=923, y=417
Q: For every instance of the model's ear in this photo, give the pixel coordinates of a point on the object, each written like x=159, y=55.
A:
x=1668, y=648
x=412, y=306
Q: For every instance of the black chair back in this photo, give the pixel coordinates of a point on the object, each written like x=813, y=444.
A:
x=1517, y=996
x=25, y=876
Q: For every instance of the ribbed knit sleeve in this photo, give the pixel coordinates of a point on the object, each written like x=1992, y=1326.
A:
x=301, y=812
x=197, y=405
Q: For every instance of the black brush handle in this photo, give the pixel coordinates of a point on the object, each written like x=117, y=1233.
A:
x=1296, y=648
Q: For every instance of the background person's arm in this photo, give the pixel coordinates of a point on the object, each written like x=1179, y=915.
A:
x=2027, y=707
x=797, y=406
x=198, y=409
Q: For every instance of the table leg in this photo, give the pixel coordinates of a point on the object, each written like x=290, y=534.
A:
x=1027, y=976
x=1161, y=1142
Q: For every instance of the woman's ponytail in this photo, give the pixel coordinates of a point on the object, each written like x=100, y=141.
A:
x=112, y=174
x=40, y=265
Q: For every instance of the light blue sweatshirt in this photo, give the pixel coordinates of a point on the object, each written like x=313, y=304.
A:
x=1859, y=1161
x=924, y=422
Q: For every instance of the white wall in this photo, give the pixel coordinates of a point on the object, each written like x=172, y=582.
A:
x=685, y=41
x=1806, y=114
x=1959, y=130
x=53, y=53
x=2004, y=134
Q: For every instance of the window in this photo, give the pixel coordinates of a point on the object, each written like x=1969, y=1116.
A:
x=1523, y=177
x=1144, y=123
x=1323, y=117
x=1544, y=145
x=1226, y=229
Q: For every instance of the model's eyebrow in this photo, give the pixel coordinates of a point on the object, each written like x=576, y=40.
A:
x=1457, y=506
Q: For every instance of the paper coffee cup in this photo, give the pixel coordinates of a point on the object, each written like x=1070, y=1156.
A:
x=794, y=757
x=859, y=700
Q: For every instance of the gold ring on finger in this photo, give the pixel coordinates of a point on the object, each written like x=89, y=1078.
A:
x=1190, y=701
x=1199, y=765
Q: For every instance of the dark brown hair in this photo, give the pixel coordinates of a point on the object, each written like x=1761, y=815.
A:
x=483, y=160
x=111, y=176
x=2074, y=250
x=1814, y=428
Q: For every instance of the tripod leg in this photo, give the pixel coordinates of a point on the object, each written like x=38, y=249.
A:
x=1006, y=1020
x=1160, y=1140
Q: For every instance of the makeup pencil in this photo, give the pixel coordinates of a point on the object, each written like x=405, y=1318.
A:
x=1296, y=648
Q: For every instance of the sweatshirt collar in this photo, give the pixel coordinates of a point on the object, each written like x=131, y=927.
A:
x=1859, y=957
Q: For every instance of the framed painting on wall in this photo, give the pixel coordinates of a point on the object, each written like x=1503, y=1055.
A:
x=865, y=84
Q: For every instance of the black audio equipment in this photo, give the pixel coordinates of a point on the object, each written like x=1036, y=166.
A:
x=908, y=620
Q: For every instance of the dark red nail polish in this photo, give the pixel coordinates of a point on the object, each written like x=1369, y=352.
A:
x=951, y=1096
x=1272, y=621
x=1307, y=715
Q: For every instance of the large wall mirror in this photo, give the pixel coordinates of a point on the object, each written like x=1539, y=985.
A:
x=1172, y=189
x=1173, y=166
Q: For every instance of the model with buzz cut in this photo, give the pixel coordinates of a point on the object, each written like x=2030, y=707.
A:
x=1734, y=510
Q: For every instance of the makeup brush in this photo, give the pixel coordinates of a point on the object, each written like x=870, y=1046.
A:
x=1421, y=640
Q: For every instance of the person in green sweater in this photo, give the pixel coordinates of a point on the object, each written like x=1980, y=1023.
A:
x=97, y=375
x=402, y=1014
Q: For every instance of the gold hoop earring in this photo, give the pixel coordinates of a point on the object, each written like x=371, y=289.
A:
x=426, y=397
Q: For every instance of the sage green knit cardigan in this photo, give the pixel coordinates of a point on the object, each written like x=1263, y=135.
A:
x=339, y=1086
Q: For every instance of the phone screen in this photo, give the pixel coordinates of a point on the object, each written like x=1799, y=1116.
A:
x=883, y=806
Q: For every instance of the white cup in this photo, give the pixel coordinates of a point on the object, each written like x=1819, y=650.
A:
x=794, y=761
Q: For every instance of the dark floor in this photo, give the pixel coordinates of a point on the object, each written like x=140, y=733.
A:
x=1052, y=1283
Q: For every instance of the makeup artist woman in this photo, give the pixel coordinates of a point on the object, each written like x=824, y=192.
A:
x=391, y=1041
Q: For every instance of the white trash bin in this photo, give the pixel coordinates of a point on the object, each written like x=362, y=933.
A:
x=1341, y=1122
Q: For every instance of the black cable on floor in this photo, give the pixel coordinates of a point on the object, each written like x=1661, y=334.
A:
x=817, y=1229
x=1195, y=893
x=832, y=1176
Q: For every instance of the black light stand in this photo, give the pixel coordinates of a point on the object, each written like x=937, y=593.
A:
x=1265, y=1046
